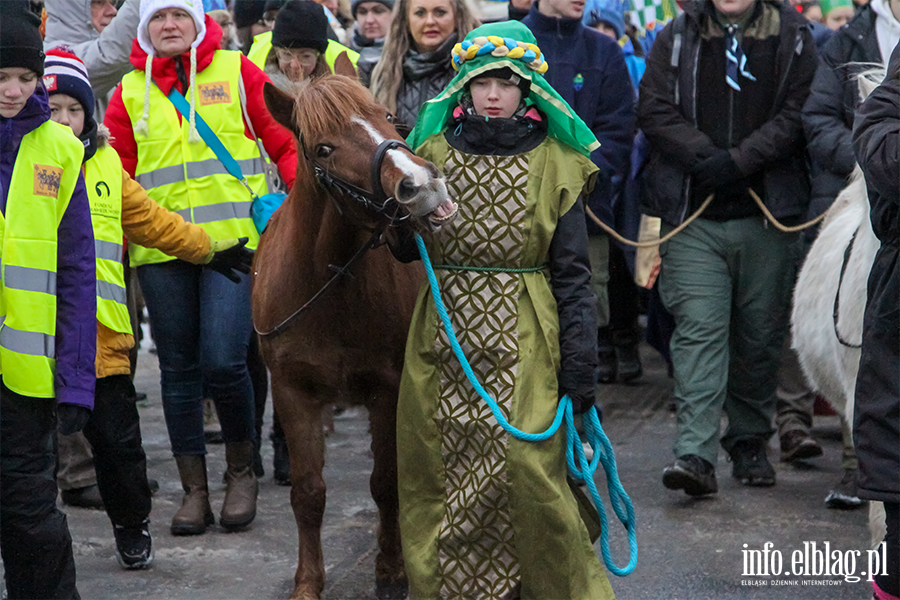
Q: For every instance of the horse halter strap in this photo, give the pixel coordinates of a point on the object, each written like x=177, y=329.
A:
x=377, y=200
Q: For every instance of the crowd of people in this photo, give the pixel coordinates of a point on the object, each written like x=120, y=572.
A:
x=119, y=123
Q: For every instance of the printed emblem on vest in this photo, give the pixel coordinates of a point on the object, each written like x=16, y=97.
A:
x=103, y=206
x=218, y=92
x=50, y=82
x=46, y=180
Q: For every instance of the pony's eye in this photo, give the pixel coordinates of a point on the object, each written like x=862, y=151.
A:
x=324, y=151
x=390, y=118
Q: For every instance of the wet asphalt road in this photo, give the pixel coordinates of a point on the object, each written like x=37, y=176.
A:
x=689, y=549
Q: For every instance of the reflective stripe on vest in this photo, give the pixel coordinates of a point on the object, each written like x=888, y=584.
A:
x=27, y=342
x=262, y=45
x=195, y=170
x=186, y=177
x=43, y=179
x=30, y=280
x=108, y=250
x=217, y=212
x=103, y=179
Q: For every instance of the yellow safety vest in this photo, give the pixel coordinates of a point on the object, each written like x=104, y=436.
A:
x=262, y=45
x=43, y=180
x=188, y=178
x=103, y=179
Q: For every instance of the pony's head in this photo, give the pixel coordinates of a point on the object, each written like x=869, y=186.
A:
x=345, y=137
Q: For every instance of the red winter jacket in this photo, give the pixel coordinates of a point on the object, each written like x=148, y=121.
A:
x=278, y=141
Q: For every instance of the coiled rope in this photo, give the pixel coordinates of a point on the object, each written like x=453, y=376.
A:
x=651, y=243
x=603, y=451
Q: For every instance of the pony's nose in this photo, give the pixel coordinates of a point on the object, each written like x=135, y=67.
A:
x=407, y=189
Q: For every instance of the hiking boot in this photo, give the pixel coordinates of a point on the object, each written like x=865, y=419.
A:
x=242, y=488
x=695, y=475
x=134, y=548
x=195, y=514
x=606, y=356
x=628, y=363
x=750, y=463
x=797, y=445
x=83, y=497
x=843, y=496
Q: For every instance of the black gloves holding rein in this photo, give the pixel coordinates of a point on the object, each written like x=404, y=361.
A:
x=716, y=171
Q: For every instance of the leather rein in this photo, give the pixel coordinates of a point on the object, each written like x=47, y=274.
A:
x=376, y=201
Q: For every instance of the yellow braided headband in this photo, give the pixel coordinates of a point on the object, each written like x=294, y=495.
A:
x=497, y=46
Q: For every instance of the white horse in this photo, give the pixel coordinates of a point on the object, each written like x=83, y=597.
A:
x=830, y=298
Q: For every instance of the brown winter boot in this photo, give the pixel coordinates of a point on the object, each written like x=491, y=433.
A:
x=195, y=513
x=239, y=508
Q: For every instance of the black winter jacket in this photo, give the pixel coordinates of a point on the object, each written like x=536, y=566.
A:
x=833, y=98
x=674, y=91
x=876, y=427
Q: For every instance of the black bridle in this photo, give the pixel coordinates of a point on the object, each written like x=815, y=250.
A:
x=376, y=201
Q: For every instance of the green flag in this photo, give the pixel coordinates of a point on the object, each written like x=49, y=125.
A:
x=648, y=11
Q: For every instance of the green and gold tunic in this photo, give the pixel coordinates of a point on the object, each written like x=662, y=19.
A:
x=484, y=515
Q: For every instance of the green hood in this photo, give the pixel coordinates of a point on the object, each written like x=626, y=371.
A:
x=494, y=46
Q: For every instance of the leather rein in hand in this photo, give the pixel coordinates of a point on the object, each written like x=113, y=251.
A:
x=376, y=201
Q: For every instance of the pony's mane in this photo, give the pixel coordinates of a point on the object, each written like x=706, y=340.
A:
x=325, y=105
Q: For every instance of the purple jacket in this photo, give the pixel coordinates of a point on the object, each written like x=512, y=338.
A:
x=76, y=270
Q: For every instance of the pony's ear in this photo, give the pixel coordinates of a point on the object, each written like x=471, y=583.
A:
x=280, y=105
x=344, y=66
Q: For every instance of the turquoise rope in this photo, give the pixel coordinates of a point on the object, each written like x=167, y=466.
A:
x=603, y=451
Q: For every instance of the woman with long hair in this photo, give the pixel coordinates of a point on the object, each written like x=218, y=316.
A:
x=415, y=64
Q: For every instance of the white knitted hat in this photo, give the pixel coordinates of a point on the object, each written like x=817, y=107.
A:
x=148, y=9
x=151, y=7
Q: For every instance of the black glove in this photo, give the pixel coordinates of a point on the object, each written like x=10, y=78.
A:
x=715, y=171
x=229, y=256
x=580, y=387
x=72, y=417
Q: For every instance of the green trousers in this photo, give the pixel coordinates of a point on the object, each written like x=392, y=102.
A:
x=728, y=286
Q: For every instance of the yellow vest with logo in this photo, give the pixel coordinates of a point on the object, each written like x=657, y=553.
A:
x=262, y=45
x=43, y=180
x=103, y=179
x=188, y=178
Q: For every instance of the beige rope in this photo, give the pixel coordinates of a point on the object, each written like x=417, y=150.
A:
x=775, y=222
x=651, y=243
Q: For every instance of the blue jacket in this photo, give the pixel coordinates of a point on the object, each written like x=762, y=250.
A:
x=588, y=70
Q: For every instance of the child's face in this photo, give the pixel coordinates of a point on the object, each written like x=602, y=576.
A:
x=495, y=98
x=17, y=84
x=66, y=110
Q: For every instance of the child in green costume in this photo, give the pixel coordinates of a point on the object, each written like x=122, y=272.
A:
x=484, y=515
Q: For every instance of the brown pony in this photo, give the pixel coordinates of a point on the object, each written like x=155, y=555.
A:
x=347, y=346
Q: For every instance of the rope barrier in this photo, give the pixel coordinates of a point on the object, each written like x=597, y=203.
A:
x=603, y=451
x=651, y=243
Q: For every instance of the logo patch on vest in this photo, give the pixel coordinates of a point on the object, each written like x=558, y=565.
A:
x=47, y=180
x=218, y=92
x=103, y=205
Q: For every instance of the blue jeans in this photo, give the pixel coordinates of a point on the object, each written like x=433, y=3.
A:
x=201, y=324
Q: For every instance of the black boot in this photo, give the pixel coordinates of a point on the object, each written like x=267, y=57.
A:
x=606, y=356
x=628, y=358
